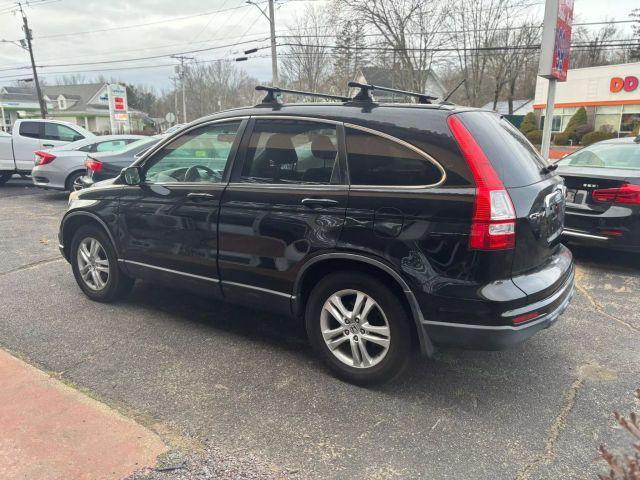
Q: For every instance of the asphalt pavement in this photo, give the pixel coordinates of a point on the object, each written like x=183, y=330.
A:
x=238, y=391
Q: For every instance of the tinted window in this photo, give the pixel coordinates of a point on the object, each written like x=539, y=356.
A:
x=516, y=161
x=199, y=155
x=54, y=131
x=375, y=160
x=606, y=155
x=31, y=129
x=291, y=151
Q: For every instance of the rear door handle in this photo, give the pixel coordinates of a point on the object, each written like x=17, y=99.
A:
x=200, y=197
x=319, y=202
x=47, y=145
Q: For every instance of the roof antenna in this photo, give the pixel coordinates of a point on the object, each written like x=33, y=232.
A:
x=453, y=91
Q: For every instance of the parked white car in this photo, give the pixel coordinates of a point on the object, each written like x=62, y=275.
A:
x=60, y=168
x=17, y=150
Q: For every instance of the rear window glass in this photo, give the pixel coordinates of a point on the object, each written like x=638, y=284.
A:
x=374, y=160
x=31, y=129
x=606, y=155
x=516, y=161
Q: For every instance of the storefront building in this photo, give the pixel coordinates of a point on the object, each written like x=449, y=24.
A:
x=610, y=94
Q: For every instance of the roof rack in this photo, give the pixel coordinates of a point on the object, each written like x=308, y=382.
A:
x=364, y=94
x=274, y=97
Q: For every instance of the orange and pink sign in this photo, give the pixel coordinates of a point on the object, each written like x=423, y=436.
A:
x=628, y=84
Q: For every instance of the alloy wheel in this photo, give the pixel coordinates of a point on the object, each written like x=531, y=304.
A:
x=355, y=328
x=93, y=263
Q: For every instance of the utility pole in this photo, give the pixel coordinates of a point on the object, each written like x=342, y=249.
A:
x=272, y=26
x=274, y=53
x=182, y=74
x=28, y=36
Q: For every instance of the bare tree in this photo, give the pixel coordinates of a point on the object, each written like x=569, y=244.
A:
x=306, y=63
x=476, y=29
x=408, y=28
x=593, y=49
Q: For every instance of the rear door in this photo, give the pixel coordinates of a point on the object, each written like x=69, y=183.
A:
x=286, y=201
x=537, y=196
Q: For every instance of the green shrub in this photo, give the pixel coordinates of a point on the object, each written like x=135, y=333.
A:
x=562, y=139
x=593, y=137
x=535, y=137
x=528, y=123
x=577, y=120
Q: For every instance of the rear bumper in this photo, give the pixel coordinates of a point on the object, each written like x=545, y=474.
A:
x=616, y=228
x=625, y=242
x=498, y=337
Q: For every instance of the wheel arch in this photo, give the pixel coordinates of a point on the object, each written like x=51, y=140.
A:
x=76, y=219
x=322, y=264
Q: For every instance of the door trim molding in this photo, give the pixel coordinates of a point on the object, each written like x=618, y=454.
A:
x=169, y=270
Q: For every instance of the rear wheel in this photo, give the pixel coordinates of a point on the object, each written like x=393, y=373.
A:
x=4, y=177
x=95, y=266
x=359, y=328
x=73, y=181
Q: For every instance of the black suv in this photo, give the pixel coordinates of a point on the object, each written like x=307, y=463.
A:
x=386, y=227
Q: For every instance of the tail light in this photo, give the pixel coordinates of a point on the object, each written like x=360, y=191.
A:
x=42, y=158
x=93, y=164
x=493, y=226
x=627, y=193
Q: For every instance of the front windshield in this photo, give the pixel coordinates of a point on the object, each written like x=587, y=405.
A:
x=605, y=155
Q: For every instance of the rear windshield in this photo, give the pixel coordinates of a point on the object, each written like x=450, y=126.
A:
x=516, y=161
x=606, y=155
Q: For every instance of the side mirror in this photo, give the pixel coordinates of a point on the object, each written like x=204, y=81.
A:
x=131, y=175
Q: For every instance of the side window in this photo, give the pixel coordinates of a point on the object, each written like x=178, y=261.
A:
x=31, y=129
x=375, y=160
x=291, y=151
x=111, y=146
x=54, y=131
x=199, y=155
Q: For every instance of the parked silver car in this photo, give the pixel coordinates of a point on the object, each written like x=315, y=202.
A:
x=60, y=168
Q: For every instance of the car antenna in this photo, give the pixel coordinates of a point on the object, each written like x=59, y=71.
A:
x=274, y=95
x=445, y=100
x=364, y=94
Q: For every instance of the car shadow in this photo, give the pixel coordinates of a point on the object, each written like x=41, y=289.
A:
x=606, y=259
x=442, y=376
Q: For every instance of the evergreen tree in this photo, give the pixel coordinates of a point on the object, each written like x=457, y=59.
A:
x=528, y=123
x=578, y=120
x=349, y=56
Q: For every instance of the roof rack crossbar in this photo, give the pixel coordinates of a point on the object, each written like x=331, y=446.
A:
x=365, y=89
x=273, y=94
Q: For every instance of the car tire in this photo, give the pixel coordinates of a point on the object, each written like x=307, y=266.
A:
x=4, y=177
x=364, y=328
x=71, y=183
x=97, y=271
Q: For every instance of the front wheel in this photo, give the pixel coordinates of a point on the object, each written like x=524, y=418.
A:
x=95, y=266
x=359, y=328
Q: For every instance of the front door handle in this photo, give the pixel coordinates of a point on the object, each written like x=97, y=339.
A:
x=319, y=202
x=200, y=197
x=47, y=145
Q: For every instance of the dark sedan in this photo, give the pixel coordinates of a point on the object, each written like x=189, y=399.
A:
x=603, y=194
x=103, y=166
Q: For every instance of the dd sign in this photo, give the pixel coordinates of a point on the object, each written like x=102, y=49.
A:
x=628, y=84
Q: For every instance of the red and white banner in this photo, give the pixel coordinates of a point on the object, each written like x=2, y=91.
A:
x=556, y=39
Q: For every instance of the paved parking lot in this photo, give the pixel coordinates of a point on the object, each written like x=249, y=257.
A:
x=228, y=386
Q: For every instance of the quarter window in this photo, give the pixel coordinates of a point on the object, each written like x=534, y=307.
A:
x=111, y=146
x=200, y=155
x=291, y=152
x=375, y=160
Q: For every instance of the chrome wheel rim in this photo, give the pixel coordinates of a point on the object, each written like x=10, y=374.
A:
x=77, y=184
x=355, y=329
x=93, y=264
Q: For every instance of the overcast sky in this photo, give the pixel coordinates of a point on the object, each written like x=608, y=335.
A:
x=69, y=31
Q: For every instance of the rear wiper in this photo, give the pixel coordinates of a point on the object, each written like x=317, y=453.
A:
x=549, y=168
